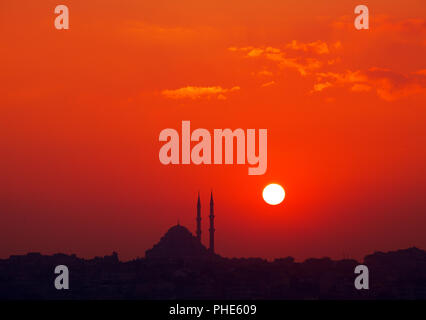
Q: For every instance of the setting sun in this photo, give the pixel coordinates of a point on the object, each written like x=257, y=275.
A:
x=273, y=194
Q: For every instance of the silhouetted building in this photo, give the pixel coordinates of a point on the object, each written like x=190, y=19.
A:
x=394, y=275
x=211, y=248
x=199, y=218
x=179, y=242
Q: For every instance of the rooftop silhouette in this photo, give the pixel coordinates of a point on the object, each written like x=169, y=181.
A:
x=179, y=266
x=394, y=275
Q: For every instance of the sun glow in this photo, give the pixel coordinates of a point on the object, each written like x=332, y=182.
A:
x=273, y=194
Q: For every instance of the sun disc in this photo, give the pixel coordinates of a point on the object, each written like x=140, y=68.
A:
x=273, y=194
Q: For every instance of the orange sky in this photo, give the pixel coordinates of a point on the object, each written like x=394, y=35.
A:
x=81, y=111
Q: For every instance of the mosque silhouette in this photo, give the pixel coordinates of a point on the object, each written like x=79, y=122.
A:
x=179, y=242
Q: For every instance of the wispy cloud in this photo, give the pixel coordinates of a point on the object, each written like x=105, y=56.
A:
x=319, y=61
x=385, y=24
x=303, y=65
x=193, y=92
x=388, y=85
x=318, y=47
x=267, y=84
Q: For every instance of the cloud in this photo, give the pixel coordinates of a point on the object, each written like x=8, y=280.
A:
x=321, y=86
x=285, y=58
x=414, y=28
x=263, y=73
x=318, y=46
x=192, y=92
x=391, y=85
x=388, y=85
x=255, y=52
x=314, y=60
x=303, y=65
x=342, y=78
x=267, y=84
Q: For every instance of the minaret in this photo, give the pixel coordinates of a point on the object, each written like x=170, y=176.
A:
x=199, y=218
x=211, y=223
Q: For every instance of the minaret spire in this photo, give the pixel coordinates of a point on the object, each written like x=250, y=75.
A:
x=211, y=223
x=199, y=218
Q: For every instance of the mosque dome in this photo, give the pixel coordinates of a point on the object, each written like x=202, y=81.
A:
x=177, y=242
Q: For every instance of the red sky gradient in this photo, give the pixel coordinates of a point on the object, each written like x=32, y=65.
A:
x=81, y=111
